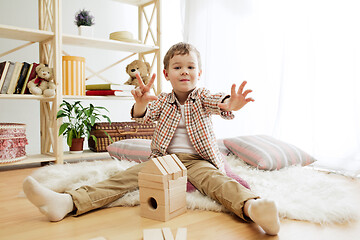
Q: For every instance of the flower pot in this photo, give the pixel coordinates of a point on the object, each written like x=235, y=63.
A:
x=77, y=145
x=86, y=31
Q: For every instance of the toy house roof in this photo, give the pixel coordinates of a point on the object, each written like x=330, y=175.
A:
x=166, y=165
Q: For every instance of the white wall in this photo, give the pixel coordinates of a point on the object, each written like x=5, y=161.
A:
x=109, y=16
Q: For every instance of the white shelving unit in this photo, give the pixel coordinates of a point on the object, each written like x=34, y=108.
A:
x=51, y=39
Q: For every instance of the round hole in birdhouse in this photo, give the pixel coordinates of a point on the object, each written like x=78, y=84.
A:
x=152, y=203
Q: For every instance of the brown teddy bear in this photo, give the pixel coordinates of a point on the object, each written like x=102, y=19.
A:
x=140, y=67
x=43, y=83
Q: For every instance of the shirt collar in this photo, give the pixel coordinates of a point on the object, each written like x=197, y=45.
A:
x=193, y=95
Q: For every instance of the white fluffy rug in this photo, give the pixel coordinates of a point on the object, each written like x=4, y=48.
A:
x=301, y=193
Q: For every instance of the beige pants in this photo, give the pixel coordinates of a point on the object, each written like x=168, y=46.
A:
x=201, y=173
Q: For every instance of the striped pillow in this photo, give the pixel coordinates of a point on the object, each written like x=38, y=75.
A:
x=137, y=150
x=267, y=153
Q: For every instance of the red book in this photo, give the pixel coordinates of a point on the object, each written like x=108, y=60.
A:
x=108, y=93
x=31, y=75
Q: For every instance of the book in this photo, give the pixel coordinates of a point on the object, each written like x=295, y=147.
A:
x=31, y=74
x=15, y=77
x=9, y=73
x=109, y=86
x=119, y=93
x=23, y=74
x=3, y=71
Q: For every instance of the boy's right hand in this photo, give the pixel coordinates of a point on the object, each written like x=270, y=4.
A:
x=142, y=93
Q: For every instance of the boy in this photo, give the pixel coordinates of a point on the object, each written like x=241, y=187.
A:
x=183, y=128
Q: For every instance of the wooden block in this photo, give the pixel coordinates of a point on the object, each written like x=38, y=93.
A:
x=154, y=185
x=178, y=182
x=152, y=177
x=161, y=213
x=177, y=171
x=177, y=213
x=181, y=234
x=153, y=234
x=167, y=234
x=165, y=165
x=175, y=197
x=180, y=164
x=154, y=167
x=161, y=196
x=176, y=190
x=177, y=201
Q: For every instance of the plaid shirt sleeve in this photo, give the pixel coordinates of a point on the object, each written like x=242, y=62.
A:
x=153, y=110
x=211, y=103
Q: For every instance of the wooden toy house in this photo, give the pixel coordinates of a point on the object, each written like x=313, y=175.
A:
x=162, y=188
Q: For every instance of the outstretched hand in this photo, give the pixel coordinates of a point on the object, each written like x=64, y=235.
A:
x=237, y=99
x=142, y=93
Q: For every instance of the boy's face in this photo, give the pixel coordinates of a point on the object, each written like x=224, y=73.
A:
x=183, y=73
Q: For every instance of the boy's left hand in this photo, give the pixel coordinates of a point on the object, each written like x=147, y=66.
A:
x=237, y=99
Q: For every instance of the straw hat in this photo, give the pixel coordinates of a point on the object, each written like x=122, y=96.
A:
x=124, y=36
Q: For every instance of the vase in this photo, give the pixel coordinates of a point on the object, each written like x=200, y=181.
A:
x=77, y=145
x=86, y=31
x=73, y=75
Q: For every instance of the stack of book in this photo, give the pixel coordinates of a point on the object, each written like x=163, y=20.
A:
x=14, y=76
x=109, y=89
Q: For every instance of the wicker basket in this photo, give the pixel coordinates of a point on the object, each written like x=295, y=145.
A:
x=12, y=142
x=118, y=131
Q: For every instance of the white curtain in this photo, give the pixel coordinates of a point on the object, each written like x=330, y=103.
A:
x=302, y=60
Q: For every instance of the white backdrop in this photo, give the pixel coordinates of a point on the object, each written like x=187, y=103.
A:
x=302, y=60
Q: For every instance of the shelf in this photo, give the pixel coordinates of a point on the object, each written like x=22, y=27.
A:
x=42, y=98
x=106, y=44
x=25, y=96
x=97, y=97
x=86, y=155
x=42, y=158
x=24, y=34
x=135, y=2
x=37, y=158
x=34, y=35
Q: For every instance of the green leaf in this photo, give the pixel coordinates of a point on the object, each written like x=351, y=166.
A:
x=109, y=136
x=103, y=108
x=63, y=127
x=68, y=105
x=92, y=120
x=60, y=114
x=69, y=138
x=95, y=139
x=107, y=118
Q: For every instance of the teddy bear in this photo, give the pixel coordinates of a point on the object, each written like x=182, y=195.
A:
x=43, y=83
x=138, y=66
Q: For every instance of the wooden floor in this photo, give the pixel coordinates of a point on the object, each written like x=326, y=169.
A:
x=19, y=220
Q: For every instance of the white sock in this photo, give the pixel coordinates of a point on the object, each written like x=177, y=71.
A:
x=55, y=206
x=265, y=214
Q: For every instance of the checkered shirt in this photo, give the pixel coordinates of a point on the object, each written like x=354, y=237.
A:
x=199, y=107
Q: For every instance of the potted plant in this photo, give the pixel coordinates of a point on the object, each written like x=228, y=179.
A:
x=84, y=20
x=79, y=122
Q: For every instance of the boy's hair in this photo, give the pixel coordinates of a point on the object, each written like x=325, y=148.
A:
x=181, y=49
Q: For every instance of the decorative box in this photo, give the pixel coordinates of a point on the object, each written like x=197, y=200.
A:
x=12, y=142
x=118, y=131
